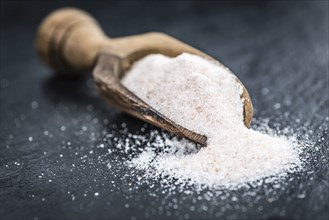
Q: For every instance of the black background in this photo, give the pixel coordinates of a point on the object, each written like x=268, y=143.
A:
x=279, y=50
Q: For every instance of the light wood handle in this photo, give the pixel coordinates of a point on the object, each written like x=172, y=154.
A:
x=69, y=40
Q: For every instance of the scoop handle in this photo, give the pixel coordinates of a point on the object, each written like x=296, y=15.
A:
x=68, y=40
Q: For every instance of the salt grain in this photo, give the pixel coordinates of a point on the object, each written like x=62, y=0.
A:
x=34, y=105
x=205, y=97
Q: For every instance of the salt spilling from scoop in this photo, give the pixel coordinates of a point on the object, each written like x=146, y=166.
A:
x=205, y=97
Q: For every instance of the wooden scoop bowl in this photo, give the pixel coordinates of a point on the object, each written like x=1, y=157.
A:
x=70, y=40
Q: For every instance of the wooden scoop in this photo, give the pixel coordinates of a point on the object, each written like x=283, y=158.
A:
x=71, y=41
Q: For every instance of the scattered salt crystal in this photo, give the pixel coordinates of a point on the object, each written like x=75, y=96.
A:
x=277, y=106
x=301, y=196
x=30, y=138
x=205, y=97
x=265, y=91
x=34, y=105
x=96, y=194
x=63, y=128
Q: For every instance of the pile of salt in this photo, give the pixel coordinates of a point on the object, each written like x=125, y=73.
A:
x=205, y=97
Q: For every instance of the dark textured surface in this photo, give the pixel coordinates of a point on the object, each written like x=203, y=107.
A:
x=279, y=51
